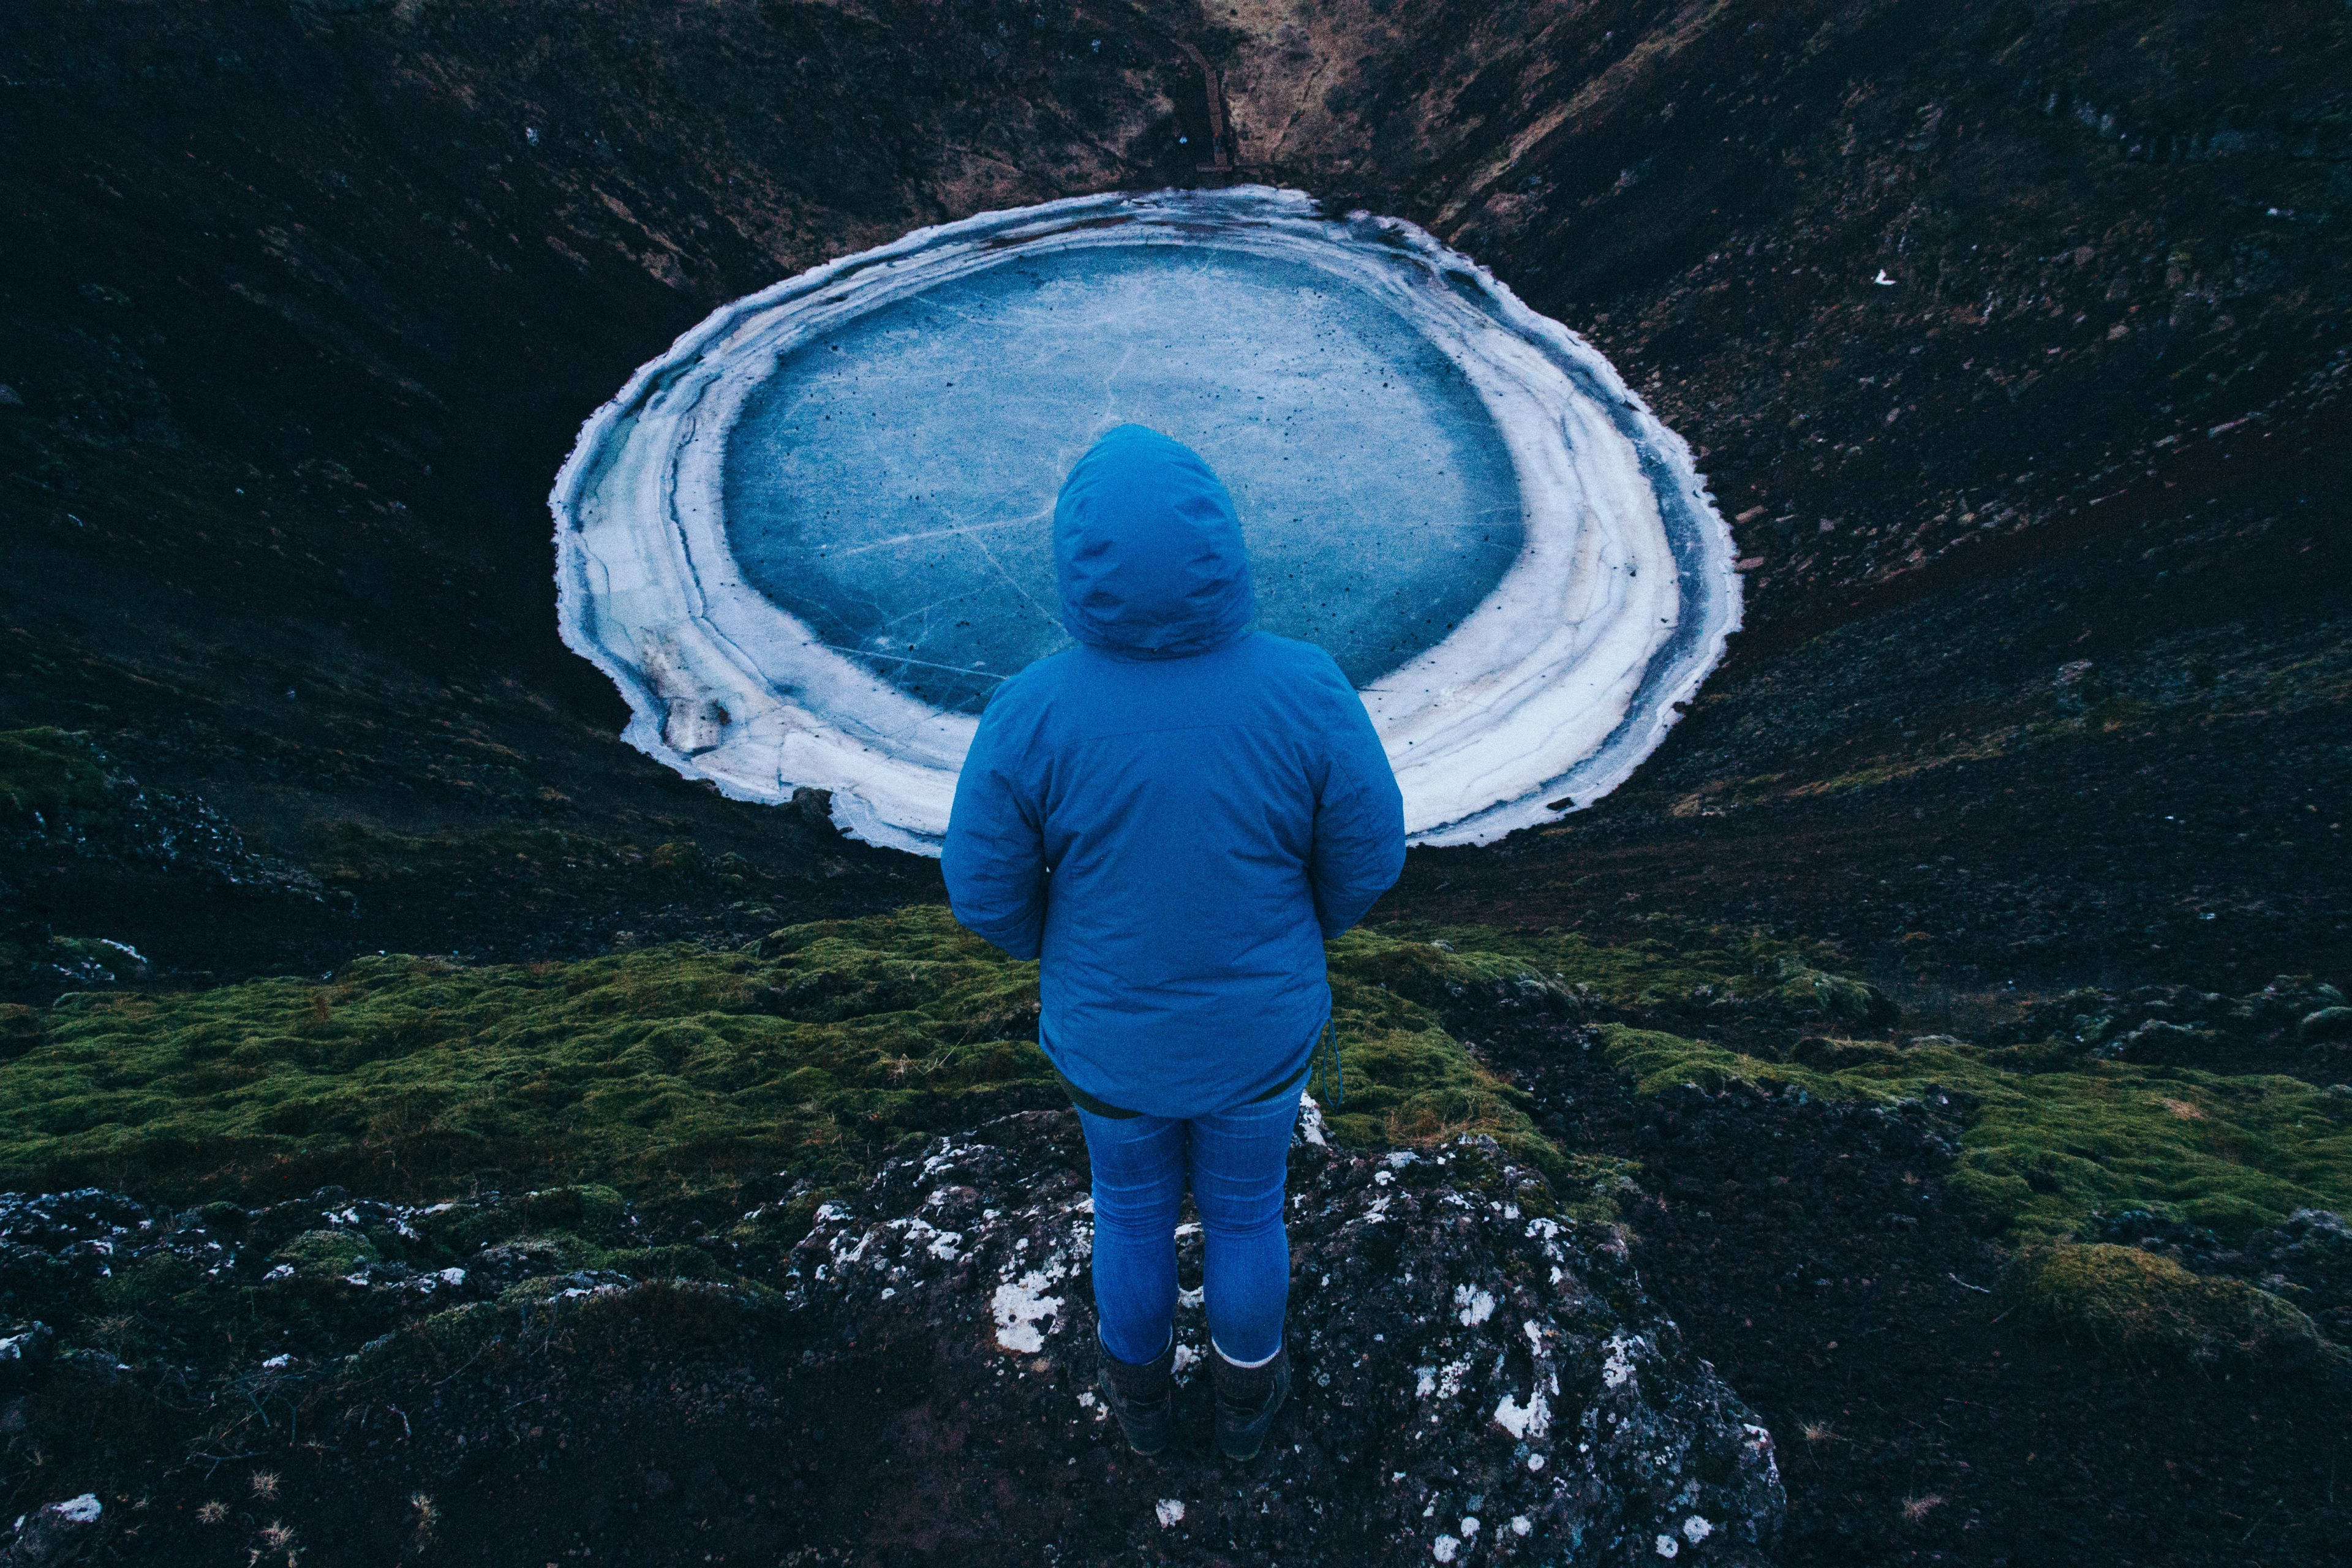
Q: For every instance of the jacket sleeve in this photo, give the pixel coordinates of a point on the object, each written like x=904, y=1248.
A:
x=1358, y=821
x=994, y=858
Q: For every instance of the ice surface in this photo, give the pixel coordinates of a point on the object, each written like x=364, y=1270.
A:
x=892, y=483
x=806, y=557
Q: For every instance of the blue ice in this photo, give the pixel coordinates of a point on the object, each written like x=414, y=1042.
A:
x=892, y=482
x=808, y=540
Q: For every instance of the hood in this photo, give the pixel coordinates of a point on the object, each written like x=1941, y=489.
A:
x=1148, y=549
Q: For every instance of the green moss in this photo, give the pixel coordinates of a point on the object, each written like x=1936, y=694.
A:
x=162, y=1282
x=554, y=1252
x=678, y=1261
x=2050, y=1135
x=677, y=858
x=1595, y=1186
x=353, y=854
x=1679, y=960
x=48, y=774
x=826, y=1050
x=1408, y=1081
x=2137, y=1306
x=324, y=1254
x=1802, y=984
x=415, y=1074
x=439, y=1343
x=593, y=1212
x=20, y=1027
x=71, y=961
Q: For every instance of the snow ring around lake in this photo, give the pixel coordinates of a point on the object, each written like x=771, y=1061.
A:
x=1540, y=658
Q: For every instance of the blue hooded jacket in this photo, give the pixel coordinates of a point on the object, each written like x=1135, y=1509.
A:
x=1175, y=813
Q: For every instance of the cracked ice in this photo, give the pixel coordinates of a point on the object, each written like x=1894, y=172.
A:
x=809, y=540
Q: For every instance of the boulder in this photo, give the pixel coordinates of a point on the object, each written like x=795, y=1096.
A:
x=57, y=1533
x=1468, y=1374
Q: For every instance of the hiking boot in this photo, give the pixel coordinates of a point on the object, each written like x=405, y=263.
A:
x=1247, y=1400
x=1142, y=1394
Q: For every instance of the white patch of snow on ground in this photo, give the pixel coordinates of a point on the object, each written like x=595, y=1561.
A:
x=1019, y=1308
x=82, y=1510
x=1444, y=1548
x=451, y=1276
x=1521, y=1524
x=1668, y=1546
x=1469, y=1525
x=1697, y=1528
x=1556, y=683
x=1310, y=1122
x=1170, y=1511
x=281, y=1359
x=1186, y=1355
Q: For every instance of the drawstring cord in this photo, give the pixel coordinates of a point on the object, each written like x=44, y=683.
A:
x=1334, y=1077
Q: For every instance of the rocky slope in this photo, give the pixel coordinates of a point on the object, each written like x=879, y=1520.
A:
x=1477, y=1382
x=303, y=303
x=787, y=1245
x=2012, y=340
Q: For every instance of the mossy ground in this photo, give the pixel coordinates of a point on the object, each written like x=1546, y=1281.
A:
x=819, y=1052
x=423, y=1076
x=830, y=1045
x=2142, y=1307
x=826, y=1047
x=2051, y=1136
x=358, y=856
x=1676, y=961
x=49, y=775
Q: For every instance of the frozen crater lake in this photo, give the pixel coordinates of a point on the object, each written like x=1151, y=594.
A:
x=810, y=540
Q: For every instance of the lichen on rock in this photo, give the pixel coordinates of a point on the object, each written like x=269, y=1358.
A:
x=1455, y=1358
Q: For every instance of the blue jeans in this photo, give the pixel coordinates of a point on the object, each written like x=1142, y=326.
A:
x=1237, y=1160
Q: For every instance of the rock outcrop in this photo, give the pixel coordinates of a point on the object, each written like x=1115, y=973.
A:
x=1475, y=1380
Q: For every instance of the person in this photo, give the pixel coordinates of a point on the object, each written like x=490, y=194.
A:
x=1174, y=815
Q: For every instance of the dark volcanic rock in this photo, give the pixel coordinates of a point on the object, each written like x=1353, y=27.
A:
x=2285, y=1026
x=57, y=1533
x=1473, y=1380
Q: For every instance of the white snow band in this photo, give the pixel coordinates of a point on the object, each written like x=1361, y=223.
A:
x=807, y=539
